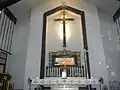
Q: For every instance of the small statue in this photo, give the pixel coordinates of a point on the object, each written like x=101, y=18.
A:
x=101, y=80
x=102, y=85
x=29, y=83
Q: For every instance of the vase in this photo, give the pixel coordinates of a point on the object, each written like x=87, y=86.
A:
x=64, y=74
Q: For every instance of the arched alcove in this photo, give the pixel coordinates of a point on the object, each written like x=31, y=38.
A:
x=44, y=34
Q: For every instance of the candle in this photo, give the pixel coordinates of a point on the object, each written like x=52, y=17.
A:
x=64, y=74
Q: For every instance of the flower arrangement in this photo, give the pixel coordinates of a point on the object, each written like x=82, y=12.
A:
x=64, y=67
x=78, y=74
x=52, y=74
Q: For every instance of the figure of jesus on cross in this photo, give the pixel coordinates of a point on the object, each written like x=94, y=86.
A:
x=63, y=20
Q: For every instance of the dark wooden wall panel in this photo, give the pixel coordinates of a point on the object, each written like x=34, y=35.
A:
x=6, y=3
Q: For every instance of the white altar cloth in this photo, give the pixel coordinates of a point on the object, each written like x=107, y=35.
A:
x=69, y=81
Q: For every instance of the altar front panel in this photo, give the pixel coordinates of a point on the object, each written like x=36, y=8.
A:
x=65, y=89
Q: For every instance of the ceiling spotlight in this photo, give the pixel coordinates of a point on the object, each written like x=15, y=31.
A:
x=0, y=11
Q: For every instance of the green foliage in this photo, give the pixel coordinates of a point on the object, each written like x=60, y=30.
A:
x=78, y=74
x=4, y=80
x=52, y=74
x=7, y=75
x=64, y=67
x=66, y=53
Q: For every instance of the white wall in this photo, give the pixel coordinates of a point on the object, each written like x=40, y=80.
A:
x=16, y=62
x=96, y=50
x=109, y=38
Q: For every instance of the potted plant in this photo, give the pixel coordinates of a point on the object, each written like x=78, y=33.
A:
x=5, y=81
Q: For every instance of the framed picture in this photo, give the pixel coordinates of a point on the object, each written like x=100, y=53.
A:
x=66, y=58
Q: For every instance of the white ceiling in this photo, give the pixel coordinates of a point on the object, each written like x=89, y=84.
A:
x=2, y=1
x=108, y=6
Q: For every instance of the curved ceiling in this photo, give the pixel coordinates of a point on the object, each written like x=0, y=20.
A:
x=6, y=3
x=108, y=6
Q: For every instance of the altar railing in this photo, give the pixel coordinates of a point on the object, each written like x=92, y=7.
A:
x=73, y=71
x=114, y=85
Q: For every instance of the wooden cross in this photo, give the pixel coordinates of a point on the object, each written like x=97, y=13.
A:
x=64, y=19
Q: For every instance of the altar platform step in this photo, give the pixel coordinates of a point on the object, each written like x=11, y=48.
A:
x=80, y=88
x=70, y=83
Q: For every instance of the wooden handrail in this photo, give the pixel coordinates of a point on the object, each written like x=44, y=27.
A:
x=5, y=51
x=116, y=15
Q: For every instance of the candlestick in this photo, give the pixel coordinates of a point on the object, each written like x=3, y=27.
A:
x=64, y=74
x=59, y=71
x=70, y=71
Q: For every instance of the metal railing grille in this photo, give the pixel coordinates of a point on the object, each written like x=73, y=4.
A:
x=3, y=59
x=6, y=32
x=7, y=25
x=118, y=25
x=73, y=71
x=114, y=85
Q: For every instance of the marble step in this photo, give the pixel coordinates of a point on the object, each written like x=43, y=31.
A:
x=81, y=88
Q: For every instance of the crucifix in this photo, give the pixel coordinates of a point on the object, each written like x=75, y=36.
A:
x=64, y=19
